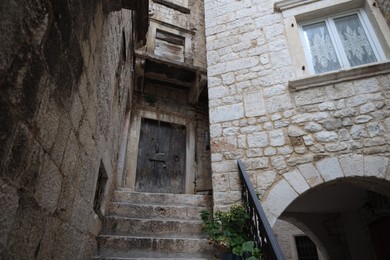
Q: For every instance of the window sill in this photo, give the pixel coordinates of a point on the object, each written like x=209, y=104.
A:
x=289, y=4
x=339, y=76
x=177, y=7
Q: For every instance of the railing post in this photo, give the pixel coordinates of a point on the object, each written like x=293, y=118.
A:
x=262, y=231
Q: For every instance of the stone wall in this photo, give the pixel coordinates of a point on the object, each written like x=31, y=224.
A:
x=255, y=116
x=64, y=79
x=384, y=5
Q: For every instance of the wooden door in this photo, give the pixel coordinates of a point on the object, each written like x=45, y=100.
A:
x=161, y=157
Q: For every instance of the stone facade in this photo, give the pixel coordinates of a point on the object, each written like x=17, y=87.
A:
x=256, y=114
x=64, y=76
x=385, y=8
x=294, y=131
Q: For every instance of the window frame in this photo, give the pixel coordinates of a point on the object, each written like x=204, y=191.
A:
x=337, y=44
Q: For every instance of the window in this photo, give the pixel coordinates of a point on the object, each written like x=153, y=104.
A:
x=169, y=45
x=306, y=249
x=340, y=41
x=100, y=190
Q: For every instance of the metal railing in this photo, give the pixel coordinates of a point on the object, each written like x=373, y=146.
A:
x=260, y=228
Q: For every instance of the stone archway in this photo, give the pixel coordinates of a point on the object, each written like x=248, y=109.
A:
x=310, y=175
x=331, y=197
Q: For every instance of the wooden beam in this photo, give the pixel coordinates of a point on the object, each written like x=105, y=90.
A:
x=117, y=5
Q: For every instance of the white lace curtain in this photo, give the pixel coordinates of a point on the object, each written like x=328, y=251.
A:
x=354, y=40
x=350, y=39
x=322, y=51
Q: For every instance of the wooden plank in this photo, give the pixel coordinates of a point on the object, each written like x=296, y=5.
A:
x=161, y=157
x=168, y=50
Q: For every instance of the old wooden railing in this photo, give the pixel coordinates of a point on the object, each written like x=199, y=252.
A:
x=260, y=228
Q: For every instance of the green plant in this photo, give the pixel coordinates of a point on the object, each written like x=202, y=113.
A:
x=230, y=230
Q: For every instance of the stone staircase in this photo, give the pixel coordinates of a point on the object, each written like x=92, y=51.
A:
x=154, y=226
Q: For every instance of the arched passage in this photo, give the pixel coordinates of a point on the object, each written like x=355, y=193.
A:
x=342, y=202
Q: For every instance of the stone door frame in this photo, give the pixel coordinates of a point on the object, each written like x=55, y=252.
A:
x=133, y=142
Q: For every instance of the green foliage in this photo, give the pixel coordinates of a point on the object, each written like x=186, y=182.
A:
x=230, y=230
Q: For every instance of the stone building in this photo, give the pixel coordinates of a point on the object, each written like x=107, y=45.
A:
x=101, y=100
x=298, y=90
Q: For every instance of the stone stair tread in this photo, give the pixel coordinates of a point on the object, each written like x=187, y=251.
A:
x=120, y=217
x=162, y=198
x=149, y=255
x=130, y=237
x=154, y=211
x=155, y=226
x=176, y=205
x=152, y=258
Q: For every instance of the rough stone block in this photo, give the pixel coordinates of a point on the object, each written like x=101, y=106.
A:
x=49, y=185
x=279, y=103
x=279, y=197
x=276, y=138
x=297, y=181
x=224, y=166
x=255, y=164
x=77, y=111
x=330, y=168
x=59, y=146
x=352, y=164
x=226, y=113
x=295, y=131
x=9, y=202
x=70, y=156
x=310, y=96
x=375, y=166
x=47, y=121
x=23, y=164
x=258, y=140
x=27, y=230
x=311, y=174
x=341, y=90
x=265, y=179
x=254, y=104
x=223, y=144
x=367, y=85
x=326, y=136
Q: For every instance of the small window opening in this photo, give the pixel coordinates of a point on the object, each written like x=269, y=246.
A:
x=124, y=52
x=207, y=140
x=100, y=190
x=306, y=248
x=169, y=45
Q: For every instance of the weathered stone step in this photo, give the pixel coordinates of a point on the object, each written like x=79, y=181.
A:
x=115, y=225
x=152, y=258
x=144, y=247
x=124, y=195
x=154, y=211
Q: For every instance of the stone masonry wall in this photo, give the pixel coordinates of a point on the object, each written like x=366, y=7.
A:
x=384, y=5
x=64, y=83
x=255, y=117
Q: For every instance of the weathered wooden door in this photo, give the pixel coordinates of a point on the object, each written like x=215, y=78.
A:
x=161, y=157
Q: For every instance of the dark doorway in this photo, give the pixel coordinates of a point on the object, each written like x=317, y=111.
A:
x=306, y=248
x=380, y=236
x=161, y=157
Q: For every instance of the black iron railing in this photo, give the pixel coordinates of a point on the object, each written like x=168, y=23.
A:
x=260, y=228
